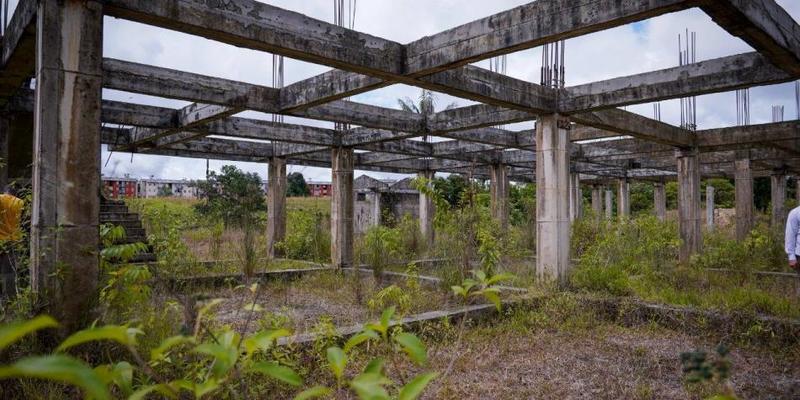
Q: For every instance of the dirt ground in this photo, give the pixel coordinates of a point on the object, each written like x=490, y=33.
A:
x=301, y=304
x=608, y=362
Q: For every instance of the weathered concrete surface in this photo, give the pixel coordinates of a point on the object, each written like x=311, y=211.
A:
x=623, y=199
x=764, y=25
x=710, y=76
x=525, y=27
x=609, y=203
x=66, y=166
x=499, y=191
x=276, y=206
x=597, y=200
x=552, y=197
x=710, y=207
x=627, y=123
x=660, y=200
x=778, y=199
x=427, y=210
x=744, y=195
x=342, y=162
x=689, y=219
x=18, y=50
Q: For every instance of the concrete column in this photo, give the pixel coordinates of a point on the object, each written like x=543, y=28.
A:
x=66, y=160
x=426, y=212
x=623, y=199
x=710, y=207
x=578, y=196
x=778, y=199
x=689, y=203
x=499, y=190
x=376, y=208
x=552, y=197
x=4, y=134
x=744, y=195
x=573, y=204
x=276, y=205
x=660, y=200
x=342, y=160
x=597, y=201
x=609, y=203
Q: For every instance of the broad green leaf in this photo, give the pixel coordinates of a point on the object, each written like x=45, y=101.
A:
x=121, y=334
x=375, y=366
x=413, y=347
x=493, y=297
x=60, y=368
x=499, y=278
x=122, y=376
x=204, y=388
x=166, y=390
x=14, y=331
x=413, y=389
x=168, y=343
x=480, y=275
x=224, y=356
x=360, y=338
x=459, y=291
x=371, y=386
x=313, y=393
x=279, y=372
x=264, y=340
x=386, y=317
x=337, y=361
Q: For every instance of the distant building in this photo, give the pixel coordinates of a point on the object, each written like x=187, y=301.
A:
x=319, y=189
x=120, y=188
x=374, y=200
x=152, y=187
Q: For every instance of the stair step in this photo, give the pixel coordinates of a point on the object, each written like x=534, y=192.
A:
x=143, y=257
x=113, y=208
x=118, y=216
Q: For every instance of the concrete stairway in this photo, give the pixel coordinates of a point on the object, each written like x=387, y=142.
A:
x=117, y=213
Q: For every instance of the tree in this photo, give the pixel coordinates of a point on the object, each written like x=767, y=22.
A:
x=296, y=185
x=236, y=198
x=452, y=188
x=164, y=191
x=426, y=103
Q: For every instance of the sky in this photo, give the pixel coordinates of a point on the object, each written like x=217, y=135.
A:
x=641, y=47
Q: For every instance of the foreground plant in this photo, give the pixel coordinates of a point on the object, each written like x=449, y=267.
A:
x=213, y=364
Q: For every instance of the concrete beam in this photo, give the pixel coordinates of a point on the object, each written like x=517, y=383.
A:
x=762, y=24
x=711, y=76
x=18, y=49
x=627, y=123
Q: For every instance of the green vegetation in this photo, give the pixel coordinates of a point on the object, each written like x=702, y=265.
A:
x=296, y=185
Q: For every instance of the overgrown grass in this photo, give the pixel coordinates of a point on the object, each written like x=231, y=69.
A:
x=639, y=258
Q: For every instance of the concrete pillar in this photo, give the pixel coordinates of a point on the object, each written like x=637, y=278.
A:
x=744, y=194
x=499, y=190
x=342, y=160
x=623, y=199
x=597, y=201
x=797, y=189
x=578, y=197
x=376, y=208
x=689, y=203
x=660, y=200
x=552, y=197
x=575, y=196
x=426, y=212
x=4, y=134
x=66, y=161
x=710, y=207
x=778, y=199
x=609, y=203
x=276, y=205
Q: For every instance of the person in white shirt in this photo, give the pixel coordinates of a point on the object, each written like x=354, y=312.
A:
x=792, y=239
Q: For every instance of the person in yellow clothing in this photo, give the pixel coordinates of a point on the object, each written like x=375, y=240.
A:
x=10, y=214
x=10, y=231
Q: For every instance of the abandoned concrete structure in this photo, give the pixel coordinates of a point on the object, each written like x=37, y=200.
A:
x=375, y=200
x=59, y=43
